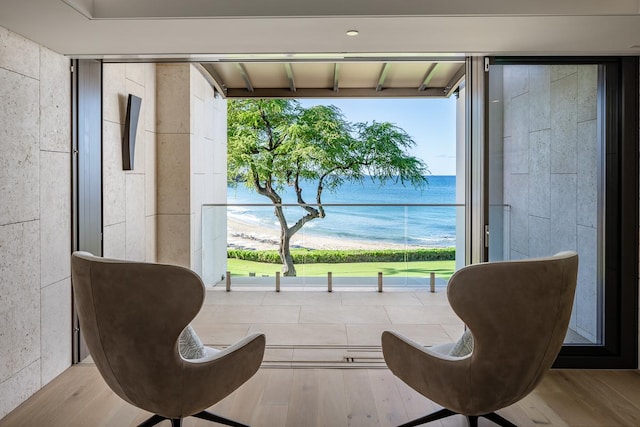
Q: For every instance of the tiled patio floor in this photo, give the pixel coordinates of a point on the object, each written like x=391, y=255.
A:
x=312, y=327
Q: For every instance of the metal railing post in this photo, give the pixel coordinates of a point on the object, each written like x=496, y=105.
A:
x=379, y=281
x=433, y=282
x=277, y=281
x=329, y=281
x=228, y=278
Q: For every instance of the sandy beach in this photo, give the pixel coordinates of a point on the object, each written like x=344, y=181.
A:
x=244, y=235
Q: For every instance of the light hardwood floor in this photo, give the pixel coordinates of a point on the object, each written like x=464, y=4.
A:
x=323, y=332
x=338, y=397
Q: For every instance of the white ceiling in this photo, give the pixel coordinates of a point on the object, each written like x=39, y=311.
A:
x=200, y=29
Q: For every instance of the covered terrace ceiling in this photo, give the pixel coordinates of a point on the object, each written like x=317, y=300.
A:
x=327, y=79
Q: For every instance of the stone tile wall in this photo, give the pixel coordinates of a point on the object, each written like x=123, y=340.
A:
x=192, y=166
x=129, y=197
x=35, y=218
x=551, y=171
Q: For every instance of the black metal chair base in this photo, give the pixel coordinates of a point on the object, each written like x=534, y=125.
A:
x=473, y=419
x=204, y=415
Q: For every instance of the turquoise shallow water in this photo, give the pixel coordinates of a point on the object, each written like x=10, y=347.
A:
x=413, y=225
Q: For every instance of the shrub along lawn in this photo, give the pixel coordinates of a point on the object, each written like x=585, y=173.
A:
x=443, y=269
x=308, y=256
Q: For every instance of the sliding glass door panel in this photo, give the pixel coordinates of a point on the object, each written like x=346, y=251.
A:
x=562, y=174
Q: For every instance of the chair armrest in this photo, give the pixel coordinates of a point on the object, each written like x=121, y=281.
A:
x=214, y=353
x=427, y=371
x=209, y=381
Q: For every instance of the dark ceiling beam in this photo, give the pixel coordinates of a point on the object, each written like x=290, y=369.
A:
x=454, y=82
x=336, y=76
x=217, y=81
x=292, y=82
x=428, y=76
x=383, y=76
x=245, y=76
x=407, y=92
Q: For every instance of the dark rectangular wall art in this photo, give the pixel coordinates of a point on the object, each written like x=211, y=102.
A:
x=130, y=129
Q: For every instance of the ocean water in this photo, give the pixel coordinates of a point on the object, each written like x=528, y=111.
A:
x=428, y=226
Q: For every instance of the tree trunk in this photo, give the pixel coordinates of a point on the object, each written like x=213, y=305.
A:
x=284, y=250
x=288, y=269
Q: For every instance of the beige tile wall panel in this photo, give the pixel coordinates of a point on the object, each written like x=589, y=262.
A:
x=55, y=217
x=136, y=73
x=561, y=71
x=199, y=116
x=19, y=145
x=564, y=124
x=564, y=189
x=195, y=243
x=174, y=175
x=55, y=323
x=211, y=104
x=129, y=196
x=18, y=54
x=198, y=84
x=113, y=177
x=587, y=179
x=173, y=240
x=517, y=153
x=199, y=181
x=19, y=387
x=150, y=176
x=191, y=162
x=173, y=94
x=587, y=93
x=150, y=97
x=539, y=173
x=114, y=100
x=55, y=90
x=115, y=241
x=151, y=224
x=20, y=291
x=135, y=224
x=586, y=304
x=196, y=260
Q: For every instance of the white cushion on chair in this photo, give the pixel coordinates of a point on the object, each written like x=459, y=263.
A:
x=190, y=345
x=464, y=346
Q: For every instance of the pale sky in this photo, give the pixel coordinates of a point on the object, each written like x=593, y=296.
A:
x=430, y=122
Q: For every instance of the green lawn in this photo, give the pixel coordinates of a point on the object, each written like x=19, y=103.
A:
x=443, y=269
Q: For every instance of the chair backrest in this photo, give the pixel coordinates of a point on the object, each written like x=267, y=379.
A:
x=131, y=315
x=518, y=313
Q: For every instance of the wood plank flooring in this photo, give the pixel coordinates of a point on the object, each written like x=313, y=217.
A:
x=332, y=342
x=336, y=398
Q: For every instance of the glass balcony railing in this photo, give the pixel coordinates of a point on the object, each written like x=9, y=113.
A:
x=354, y=244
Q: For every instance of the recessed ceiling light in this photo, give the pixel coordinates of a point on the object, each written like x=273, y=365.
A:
x=353, y=32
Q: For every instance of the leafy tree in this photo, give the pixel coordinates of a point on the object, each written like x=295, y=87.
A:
x=273, y=143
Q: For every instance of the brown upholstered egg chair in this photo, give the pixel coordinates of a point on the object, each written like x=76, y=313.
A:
x=517, y=312
x=131, y=316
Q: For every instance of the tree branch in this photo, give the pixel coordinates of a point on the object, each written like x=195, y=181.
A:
x=268, y=126
x=273, y=143
x=256, y=181
x=302, y=221
x=311, y=211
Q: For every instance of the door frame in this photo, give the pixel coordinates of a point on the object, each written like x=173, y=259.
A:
x=619, y=94
x=86, y=172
